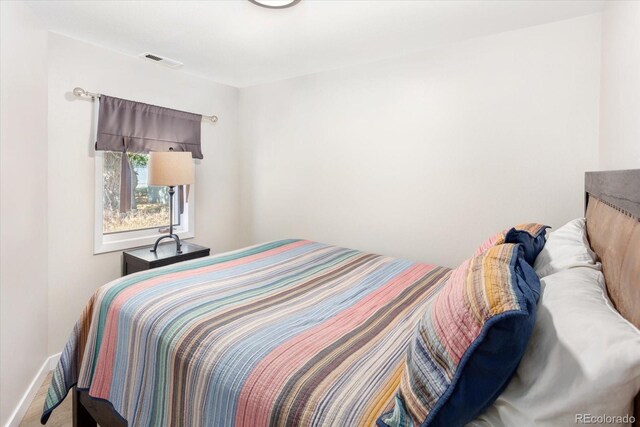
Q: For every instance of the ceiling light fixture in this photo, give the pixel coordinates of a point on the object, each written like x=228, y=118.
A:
x=275, y=4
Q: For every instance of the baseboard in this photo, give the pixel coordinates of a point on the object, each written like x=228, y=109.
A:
x=27, y=398
x=53, y=361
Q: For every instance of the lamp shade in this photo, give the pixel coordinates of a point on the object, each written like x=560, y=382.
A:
x=170, y=168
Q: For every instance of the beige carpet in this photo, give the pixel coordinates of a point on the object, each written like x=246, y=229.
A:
x=60, y=417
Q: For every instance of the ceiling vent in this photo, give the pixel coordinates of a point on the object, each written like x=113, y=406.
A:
x=167, y=62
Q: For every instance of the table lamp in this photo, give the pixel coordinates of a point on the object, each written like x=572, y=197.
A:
x=170, y=168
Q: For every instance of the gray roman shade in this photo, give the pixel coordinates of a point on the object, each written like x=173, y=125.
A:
x=135, y=127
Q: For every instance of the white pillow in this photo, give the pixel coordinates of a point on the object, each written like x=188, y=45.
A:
x=583, y=358
x=566, y=247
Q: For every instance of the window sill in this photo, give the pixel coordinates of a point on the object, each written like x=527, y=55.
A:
x=103, y=247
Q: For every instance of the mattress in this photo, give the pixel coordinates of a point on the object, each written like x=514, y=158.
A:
x=292, y=332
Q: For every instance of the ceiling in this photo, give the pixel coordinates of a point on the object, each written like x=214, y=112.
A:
x=241, y=44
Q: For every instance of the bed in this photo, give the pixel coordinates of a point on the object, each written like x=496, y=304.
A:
x=320, y=331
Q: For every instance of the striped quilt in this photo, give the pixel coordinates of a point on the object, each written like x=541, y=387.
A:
x=292, y=332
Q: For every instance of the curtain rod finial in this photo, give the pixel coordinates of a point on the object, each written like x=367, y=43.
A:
x=81, y=93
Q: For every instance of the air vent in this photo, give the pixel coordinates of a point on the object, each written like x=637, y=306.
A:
x=155, y=58
x=167, y=62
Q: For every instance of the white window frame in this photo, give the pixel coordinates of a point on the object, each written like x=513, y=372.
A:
x=112, y=242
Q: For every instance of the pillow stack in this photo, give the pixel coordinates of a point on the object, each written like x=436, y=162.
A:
x=582, y=365
x=472, y=336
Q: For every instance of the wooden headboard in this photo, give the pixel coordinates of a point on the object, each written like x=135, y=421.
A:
x=613, y=226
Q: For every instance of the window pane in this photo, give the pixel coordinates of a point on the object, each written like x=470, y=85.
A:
x=149, y=204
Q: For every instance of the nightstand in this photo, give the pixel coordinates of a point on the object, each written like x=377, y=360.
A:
x=143, y=259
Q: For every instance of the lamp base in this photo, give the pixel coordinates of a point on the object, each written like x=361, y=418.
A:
x=170, y=236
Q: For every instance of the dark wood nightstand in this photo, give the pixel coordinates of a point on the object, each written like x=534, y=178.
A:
x=143, y=259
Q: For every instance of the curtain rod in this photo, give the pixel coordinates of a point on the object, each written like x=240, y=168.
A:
x=78, y=91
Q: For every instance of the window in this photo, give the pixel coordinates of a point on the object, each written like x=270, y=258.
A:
x=144, y=215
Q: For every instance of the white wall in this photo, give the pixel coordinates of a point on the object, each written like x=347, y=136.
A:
x=425, y=156
x=23, y=193
x=74, y=272
x=620, y=91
